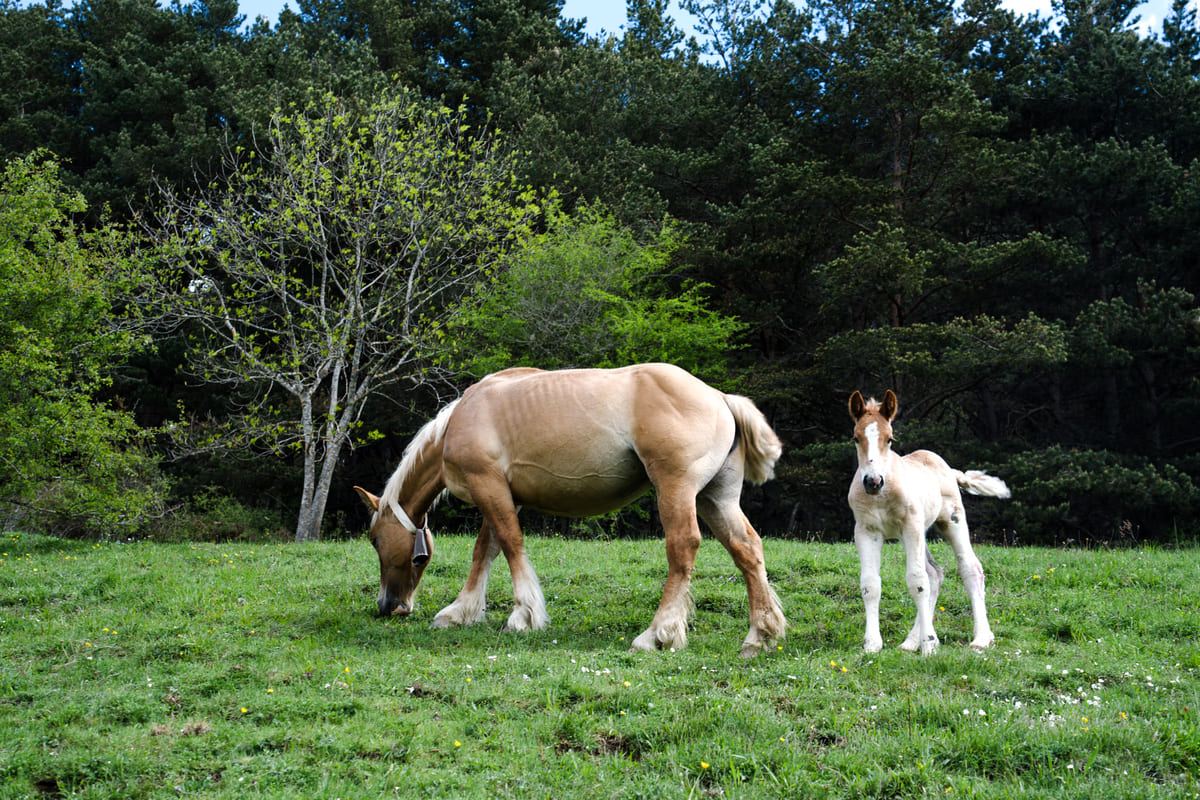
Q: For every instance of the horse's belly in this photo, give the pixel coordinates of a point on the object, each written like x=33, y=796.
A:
x=578, y=489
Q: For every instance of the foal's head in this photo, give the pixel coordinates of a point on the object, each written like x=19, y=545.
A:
x=873, y=436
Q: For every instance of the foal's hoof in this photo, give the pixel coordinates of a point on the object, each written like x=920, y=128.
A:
x=925, y=648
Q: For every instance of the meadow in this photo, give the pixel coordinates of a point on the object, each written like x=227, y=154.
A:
x=144, y=670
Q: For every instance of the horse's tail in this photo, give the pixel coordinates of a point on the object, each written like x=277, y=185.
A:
x=976, y=481
x=762, y=447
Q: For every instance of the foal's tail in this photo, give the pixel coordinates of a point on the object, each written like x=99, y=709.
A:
x=761, y=445
x=976, y=481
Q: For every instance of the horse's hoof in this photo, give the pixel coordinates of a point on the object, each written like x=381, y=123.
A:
x=644, y=643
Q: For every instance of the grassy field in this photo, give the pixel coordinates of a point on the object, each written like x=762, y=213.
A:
x=149, y=670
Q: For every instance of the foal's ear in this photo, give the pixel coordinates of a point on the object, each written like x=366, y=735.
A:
x=857, y=406
x=369, y=500
x=890, y=406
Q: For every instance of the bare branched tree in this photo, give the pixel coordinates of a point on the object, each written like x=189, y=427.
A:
x=323, y=265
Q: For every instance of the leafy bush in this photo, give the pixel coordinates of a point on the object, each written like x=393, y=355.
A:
x=69, y=464
x=211, y=517
x=588, y=294
x=1065, y=496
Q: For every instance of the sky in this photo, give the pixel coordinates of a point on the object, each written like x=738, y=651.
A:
x=609, y=15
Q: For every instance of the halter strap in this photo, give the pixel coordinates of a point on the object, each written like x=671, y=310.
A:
x=403, y=518
x=420, y=552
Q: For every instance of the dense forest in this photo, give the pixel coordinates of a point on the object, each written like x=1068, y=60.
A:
x=992, y=214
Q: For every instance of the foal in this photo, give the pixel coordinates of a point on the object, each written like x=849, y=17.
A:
x=895, y=497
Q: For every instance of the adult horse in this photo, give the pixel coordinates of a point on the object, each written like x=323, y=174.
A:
x=578, y=443
x=901, y=497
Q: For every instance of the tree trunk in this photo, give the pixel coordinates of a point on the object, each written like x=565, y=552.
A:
x=334, y=434
x=308, y=525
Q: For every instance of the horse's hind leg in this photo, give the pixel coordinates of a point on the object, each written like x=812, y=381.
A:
x=971, y=571
x=729, y=525
x=668, y=629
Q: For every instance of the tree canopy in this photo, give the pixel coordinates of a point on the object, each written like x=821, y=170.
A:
x=989, y=212
x=320, y=267
x=67, y=462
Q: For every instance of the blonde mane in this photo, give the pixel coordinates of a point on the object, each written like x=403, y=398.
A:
x=430, y=432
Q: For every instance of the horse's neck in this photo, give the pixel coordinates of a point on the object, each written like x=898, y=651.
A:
x=423, y=482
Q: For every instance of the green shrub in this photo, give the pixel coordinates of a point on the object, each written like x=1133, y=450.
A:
x=1065, y=496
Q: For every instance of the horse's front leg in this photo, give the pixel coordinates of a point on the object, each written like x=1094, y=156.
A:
x=922, y=637
x=870, y=558
x=491, y=495
x=471, y=603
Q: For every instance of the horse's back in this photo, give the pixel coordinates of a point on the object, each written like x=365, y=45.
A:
x=937, y=484
x=576, y=442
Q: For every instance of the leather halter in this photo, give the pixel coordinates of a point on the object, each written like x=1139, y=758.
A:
x=420, y=554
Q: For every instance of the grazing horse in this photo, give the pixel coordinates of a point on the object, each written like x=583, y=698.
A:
x=578, y=443
x=895, y=497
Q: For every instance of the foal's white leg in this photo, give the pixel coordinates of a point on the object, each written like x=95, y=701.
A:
x=870, y=558
x=936, y=575
x=919, y=587
x=971, y=572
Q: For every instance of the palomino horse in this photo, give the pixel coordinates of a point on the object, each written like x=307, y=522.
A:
x=896, y=497
x=578, y=443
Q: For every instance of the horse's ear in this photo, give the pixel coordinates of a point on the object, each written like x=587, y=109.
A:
x=857, y=406
x=890, y=406
x=369, y=500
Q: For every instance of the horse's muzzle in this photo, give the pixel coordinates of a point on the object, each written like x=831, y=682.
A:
x=390, y=606
x=873, y=484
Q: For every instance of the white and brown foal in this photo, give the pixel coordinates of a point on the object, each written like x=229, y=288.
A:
x=902, y=497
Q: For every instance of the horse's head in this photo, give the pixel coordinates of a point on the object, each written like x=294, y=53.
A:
x=403, y=550
x=873, y=436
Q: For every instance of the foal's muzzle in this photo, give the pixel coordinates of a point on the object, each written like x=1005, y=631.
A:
x=873, y=484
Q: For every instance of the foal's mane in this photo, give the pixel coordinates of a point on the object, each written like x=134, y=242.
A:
x=430, y=432
x=872, y=406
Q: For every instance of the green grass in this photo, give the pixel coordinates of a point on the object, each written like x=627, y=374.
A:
x=149, y=670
